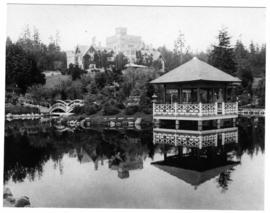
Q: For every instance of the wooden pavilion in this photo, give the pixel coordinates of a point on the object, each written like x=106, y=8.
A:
x=196, y=91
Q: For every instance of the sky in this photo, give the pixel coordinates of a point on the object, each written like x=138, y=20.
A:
x=159, y=26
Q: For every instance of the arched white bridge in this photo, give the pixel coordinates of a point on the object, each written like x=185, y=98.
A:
x=66, y=106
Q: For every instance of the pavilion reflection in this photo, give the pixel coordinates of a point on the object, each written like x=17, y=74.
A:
x=200, y=157
x=195, y=139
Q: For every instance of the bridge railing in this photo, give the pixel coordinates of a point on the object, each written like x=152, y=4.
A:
x=66, y=106
x=252, y=112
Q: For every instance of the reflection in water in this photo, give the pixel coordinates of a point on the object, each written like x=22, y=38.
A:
x=194, y=159
x=26, y=153
x=203, y=156
x=196, y=166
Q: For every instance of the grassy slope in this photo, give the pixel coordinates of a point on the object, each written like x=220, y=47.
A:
x=51, y=81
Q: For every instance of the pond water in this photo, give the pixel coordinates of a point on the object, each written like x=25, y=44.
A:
x=124, y=168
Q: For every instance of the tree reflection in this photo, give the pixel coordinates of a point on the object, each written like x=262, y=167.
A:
x=251, y=135
x=30, y=144
x=22, y=160
x=26, y=152
x=224, y=179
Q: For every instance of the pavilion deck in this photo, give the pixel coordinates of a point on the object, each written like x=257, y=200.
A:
x=195, y=111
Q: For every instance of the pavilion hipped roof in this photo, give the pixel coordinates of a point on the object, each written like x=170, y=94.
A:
x=194, y=177
x=195, y=70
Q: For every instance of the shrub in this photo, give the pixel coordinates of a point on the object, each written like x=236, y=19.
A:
x=110, y=110
x=91, y=109
x=130, y=110
x=78, y=110
x=147, y=110
x=120, y=105
x=13, y=109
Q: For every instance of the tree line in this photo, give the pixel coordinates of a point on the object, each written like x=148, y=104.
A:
x=237, y=60
x=28, y=57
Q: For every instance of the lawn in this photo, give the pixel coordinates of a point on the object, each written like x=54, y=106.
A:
x=51, y=81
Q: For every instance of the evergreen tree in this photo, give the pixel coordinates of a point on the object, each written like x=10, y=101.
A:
x=21, y=68
x=170, y=59
x=222, y=56
x=120, y=61
x=260, y=92
x=179, y=46
x=75, y=71
x=47, y=57
x=243, y=66
x=139, y=57
x=257, y=59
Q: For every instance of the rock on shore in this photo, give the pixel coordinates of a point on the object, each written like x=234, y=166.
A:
x=10, y=201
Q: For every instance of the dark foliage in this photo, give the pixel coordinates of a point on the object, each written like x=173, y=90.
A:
x=91, y=109
x=21, y=68
x=78, y=110
x=131, y=110
x=15, y=109
x=110, y=110
x=222, y=55
x=75, y=72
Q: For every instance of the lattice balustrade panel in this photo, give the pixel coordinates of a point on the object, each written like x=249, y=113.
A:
x=230, y=137
x=187, y=140
x=164, y=138
x=230, y=108
x=208, y=109
x=209, y=140
x=187, y=109
x=164, y=109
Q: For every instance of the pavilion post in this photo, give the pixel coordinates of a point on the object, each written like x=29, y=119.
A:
x=200, y=109
x=223, y=139
x=164, y=95
x=200, y=125
x=200, y=142
x=177, y=124
x=175, y=109
x=236, y=137
x=198, y=95
x=218, y=123
x=223, y=108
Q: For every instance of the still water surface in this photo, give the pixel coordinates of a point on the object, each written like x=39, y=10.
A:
x=125, y=169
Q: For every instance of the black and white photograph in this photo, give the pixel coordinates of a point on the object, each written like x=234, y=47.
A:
x=134, y=106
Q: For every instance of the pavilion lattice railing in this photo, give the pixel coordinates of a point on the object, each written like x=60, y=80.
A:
x=193, y=140
x=200, y=109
